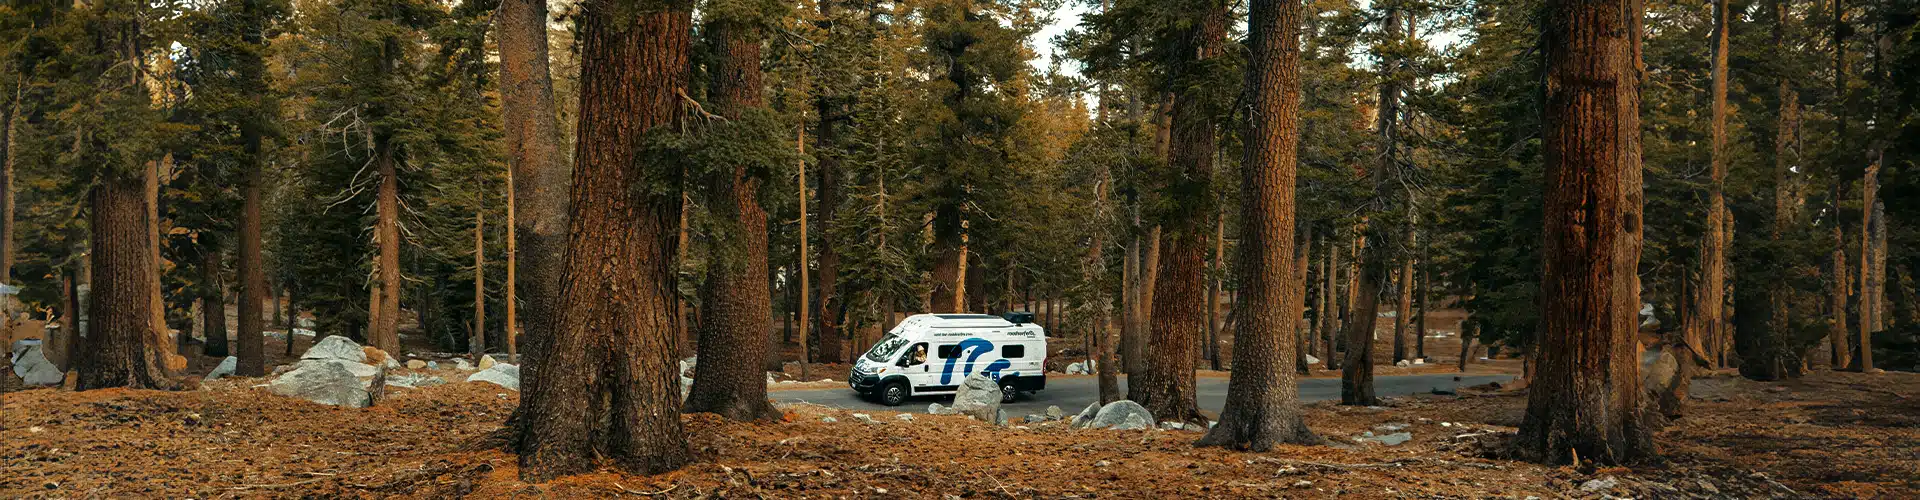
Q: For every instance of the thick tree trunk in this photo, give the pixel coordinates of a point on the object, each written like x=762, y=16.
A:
x=1585, y=398
x=8, y=136
x=602, y=382
x=1356, y=376
x=1837, y=331
x=213, y=301
x=828, y=313
x=122, y=348
x=728, y=380
x=1179, y=284
x=1263, y=404
x=946, y=254
x=539, y=174
x=157, y=305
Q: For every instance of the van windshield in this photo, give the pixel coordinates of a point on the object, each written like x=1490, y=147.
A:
x=885, y=349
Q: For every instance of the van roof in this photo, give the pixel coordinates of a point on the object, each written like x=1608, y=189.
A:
x=958, y=321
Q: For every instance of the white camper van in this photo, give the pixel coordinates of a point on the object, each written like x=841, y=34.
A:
x=931, y=354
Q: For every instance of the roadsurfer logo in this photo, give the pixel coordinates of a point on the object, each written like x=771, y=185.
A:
x=972, y=349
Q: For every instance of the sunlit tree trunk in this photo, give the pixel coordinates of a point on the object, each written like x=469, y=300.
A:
x=477, y=344
x=1711, y=296
x=1263, y=404
x=1584, y=399
x=1869, y=224
x=1839, y=356
x=603, y=387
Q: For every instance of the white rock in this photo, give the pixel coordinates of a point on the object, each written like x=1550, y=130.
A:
x=304, y=332
x=1419, y=361
x=323, y=382
x=686, y=366
x=1122, y=415
x=32, y=366
x=503, y=375
x=979, y=397
x=864, y=418
x=1402, y=363
x=904, y=416
x=462, y=364
x=487, y=362
x=226, y=368
x=416, y=364
x=938, y=409
x=828, y=420
x=1055, y=413
x=1172, y=426
x=1311, y=360
x=336, y=347
x=1602, y=484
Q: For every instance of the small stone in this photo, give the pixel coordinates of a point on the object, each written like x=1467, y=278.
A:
x=1394, y=439
x=415, y=364
x=828, y=420
x=1302, y=483
x=462, y=364
x=1121, y=415
x=865, y=418
x=1390, y=427
x=938, y=409
x=1055, y=413
x=1402, y=363
x=1602, y=484
x=1102, y=463
x=907, y=417
x=1172, y=426
x=504, y=375
x=880, y=491
x=226, y=368
x=1034, y=419
x=486, y=362
x=433, y=365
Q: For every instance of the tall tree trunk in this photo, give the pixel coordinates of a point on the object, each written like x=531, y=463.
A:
x=1775, y=357
x=293, y=317
x=1420, y=295
x=1372, y=273
x=1168, y=389
x=1469, y=330
x=947, y=272
x=1869, y=222
x=1837, y=315
x=250, y=266
x=828, y=305
x=728, y=380
x=157, y=305
x=806, y=307
x=386, y=329
x=1130, y=342
x=537, y=170
x=1329, y=302
x=477, y=344
x=8, y=139
x=1212, y=347
x=1098, y=305
x=1297, y=300
x=122, y=348
x=213, y=300
x=1585, y=397
x=1263, y=404
x=602, y=383
x=1710, y=303
x=1403, y=309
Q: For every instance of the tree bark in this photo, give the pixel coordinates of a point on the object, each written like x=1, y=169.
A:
x=8, y=139
x=537, y=170
x=122, y=348
x=602, y=382
x=1330, y=327
x=477, y=344
x=1168, y=389
x=1263, y=404
x=1130, y=342
x=386, y=328
x=1711, y=295
x=157, y=307
x=1403, y=309
x=1775, y=357
x=1837, y=316
x=1212, y=347
x=1863, y=349
x=1585, y=397
x=213, y=300
x=251, y=267
x=1297, y=301
x=728, y=380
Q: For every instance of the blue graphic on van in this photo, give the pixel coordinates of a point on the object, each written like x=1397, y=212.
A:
x=993, y=369
x=973, y=347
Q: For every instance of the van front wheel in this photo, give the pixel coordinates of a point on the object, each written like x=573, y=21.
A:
x=894, y=394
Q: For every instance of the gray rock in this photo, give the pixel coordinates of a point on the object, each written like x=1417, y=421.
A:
x=503, y=375
x=433, y=365
x=226, y=368
x=1172, y=426
x=32, y=366
x=979, y=397
x=904, y=417
x=462, y=365
x=327, y=383
x=1085, y=417
x=415, y=381
x=828, y=420
x=865, y=418
x=1122, y=415
x=416, y=364
x=1055, y=413
x=337, y=347
x=1658, y=370
x=938, y=409
x=1390, y=427
x=1034, y=419
x=1394, y=439
x=686, y=366
x=1602, y=484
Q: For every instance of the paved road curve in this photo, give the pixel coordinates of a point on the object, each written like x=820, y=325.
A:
x=1073, y=393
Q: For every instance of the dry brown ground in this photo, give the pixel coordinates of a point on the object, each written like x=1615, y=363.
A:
x=1835, y=435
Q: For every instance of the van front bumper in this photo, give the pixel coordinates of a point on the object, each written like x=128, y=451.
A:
x=864, y=383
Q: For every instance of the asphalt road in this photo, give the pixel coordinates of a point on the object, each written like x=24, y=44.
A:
x=1073, y=393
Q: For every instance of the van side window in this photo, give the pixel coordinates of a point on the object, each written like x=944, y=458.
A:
x=1013, y=351
x=949, y=351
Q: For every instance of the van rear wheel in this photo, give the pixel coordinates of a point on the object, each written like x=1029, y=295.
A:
x=894, y=394
x=1007, y=392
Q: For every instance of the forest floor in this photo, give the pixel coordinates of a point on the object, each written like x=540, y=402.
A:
x=1839, y=435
